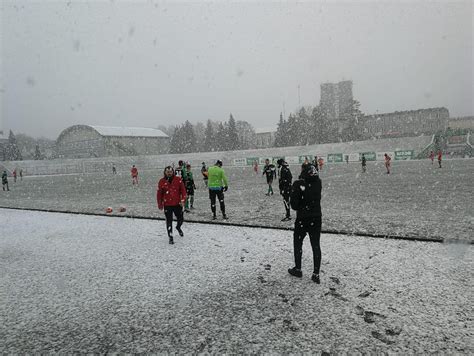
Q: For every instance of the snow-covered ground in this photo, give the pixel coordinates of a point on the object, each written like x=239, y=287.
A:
x=72, y=283
x=417, y=199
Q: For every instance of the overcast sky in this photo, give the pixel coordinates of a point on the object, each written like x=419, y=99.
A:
x=150, y=63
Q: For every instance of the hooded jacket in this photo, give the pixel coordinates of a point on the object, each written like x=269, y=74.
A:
x=305, y=195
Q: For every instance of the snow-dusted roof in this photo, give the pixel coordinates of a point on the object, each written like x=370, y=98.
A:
x=265, y=130
x=129, y=131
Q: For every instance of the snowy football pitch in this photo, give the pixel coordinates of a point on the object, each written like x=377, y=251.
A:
x=416, y=200
x=90, y=284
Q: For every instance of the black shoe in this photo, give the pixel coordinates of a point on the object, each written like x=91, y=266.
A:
x=268, y=194
x=286, y=218
x=315, y=278
x=171, y=241
x=295, y=272
x=187, y=210
x=214, y=217
x=224, y=216
x=180, y=232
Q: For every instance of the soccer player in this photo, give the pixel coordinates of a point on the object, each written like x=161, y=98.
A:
x=5, y=181
x=204, y=173
x=134, y=172
x=387, y=162
x=440, y=157
x=255, y=167
x=217, y=185
x=270, y=172
x=320, y=163
x=190, y=186
x=432, y=156
x=284, y=183
x=364, y=163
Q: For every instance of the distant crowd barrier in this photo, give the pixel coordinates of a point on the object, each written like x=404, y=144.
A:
x=399, y=155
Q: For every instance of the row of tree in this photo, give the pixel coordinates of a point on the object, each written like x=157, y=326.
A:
x=213, y=136
x=19, y=147
x=309, y=125
x=312, y=125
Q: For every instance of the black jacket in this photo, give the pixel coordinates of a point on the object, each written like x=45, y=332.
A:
x=284, y=182
x=306, y=197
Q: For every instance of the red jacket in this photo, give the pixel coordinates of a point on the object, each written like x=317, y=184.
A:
x=170, y=193
x=134, y=171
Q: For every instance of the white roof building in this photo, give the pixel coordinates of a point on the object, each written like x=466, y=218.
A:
x=128, y=131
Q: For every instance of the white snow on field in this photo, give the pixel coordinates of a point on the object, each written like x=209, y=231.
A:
x=74, y=283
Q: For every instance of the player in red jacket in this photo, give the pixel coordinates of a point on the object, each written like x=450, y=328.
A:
x=171, y=196
x=134, y=172
x=432, y=156
x=440, y=157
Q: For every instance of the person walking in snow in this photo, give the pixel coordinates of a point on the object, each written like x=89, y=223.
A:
x=217, y=186
x=305, y=198
x=134, y=173
x=14, y=175
x=190, y=186
x=270, y=172
x=5, y=181
x=284, y=183
x=440, y=157
x=171, y=196
x=114, y=169
x=21, y=174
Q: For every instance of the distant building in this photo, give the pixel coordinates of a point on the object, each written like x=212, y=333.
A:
x=265, y=137
x=336, y=98
x=81, y=141
x=405, y=123
x=465, y=122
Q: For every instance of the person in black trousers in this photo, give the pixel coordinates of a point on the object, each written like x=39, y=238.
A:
x=305, y=198
x=284, y=183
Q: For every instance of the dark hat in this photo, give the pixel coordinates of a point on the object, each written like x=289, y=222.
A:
x=280, y=161
x=219, y=163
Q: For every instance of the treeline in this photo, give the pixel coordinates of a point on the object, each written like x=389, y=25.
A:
x=211, y=136
x=312, y=125
x=23, y=147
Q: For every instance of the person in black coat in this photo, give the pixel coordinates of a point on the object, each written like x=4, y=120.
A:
x=284, y=183
x=305, y=198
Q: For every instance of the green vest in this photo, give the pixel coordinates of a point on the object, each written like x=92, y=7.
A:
x=216, y=177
